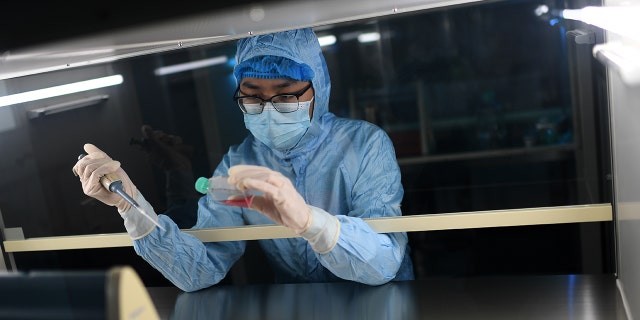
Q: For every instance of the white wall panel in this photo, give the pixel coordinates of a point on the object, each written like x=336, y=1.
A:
x=625, y=111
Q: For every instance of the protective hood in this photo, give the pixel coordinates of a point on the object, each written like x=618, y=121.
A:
x=301, y=46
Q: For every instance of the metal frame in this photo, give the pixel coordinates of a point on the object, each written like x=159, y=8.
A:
x=7, y=262
x=426, y=222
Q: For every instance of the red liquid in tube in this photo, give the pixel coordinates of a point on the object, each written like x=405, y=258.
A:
x=244, y=202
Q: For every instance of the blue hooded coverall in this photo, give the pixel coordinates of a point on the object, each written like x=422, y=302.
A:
x=345, y=167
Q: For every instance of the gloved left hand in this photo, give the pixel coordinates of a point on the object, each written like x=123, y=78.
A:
x=280, y=201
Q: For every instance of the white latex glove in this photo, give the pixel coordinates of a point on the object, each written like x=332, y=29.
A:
x=280, y=201
x=94, y=166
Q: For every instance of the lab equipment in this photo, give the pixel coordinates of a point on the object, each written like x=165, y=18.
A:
x=220, y=190
x=113, y=183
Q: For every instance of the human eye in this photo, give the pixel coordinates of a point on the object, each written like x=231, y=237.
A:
x=285, y=98
x=251, y=105
x=285, y=103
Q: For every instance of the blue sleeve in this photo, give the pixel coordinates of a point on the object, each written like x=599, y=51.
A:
x=186, y=261
x=182, y=258
x=360, y=253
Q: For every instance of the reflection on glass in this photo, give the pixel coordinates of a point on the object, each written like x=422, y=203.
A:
x=477, y=100
x=308, y=301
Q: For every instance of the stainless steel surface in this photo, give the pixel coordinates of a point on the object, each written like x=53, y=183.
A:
x=208, y=27
x=500, y=297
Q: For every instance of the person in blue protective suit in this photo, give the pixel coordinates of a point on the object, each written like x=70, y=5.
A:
x=318, y=175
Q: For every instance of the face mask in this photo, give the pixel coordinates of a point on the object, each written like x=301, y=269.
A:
x=280, y=131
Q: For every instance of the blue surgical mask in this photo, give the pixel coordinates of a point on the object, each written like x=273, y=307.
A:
x=280, y=131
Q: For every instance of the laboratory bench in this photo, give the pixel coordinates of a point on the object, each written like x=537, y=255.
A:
x=487, y=297
x=585, y=296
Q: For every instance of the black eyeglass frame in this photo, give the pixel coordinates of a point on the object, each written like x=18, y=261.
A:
x=263, y=102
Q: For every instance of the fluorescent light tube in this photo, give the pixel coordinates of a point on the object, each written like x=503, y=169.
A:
x=622, y=20
x=60, y=90
x=624, y=59
x=327, y=40
x=162, y=71
x=66, y=106
x=368, y=37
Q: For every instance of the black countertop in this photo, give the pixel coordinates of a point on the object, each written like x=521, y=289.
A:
x=496, y=297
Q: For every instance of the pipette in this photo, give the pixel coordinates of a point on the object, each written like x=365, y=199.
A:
x=112, y=182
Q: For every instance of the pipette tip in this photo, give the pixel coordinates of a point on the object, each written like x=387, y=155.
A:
x=144, y=213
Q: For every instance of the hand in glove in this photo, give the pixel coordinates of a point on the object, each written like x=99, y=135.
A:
x=280, y=201
x=94, y=166
x=165, y=151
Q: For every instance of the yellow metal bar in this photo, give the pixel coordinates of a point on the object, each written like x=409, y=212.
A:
x=413, y=223
x=494, y=218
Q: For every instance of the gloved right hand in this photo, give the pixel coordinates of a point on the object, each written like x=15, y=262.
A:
x=94, y=166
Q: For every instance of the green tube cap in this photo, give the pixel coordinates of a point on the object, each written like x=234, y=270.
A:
x=202, y=185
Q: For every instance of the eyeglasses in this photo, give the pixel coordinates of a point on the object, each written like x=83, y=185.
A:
x=283, y=103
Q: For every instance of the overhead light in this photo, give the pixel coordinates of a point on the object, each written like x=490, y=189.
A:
x=619, y=53
x=66, y=106
x=327, y=40
x=622, y=58
x=368, y=37
x=622, y=20
x=162, y=71
x=60, y=90
x=541, y=10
